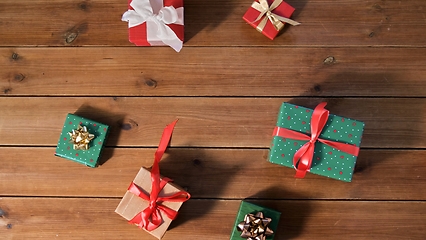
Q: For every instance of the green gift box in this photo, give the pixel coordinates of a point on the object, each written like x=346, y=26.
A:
x=91, y=156
x=249, y=208
x=327, y=161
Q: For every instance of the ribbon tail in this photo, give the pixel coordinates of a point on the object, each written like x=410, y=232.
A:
x=155, y=171
x=304, y=166
x=181, y=196
x=262, y=24
x=165, y=139
x=155, y=220
x=163, y=34
x=286, y=20
x=297, y=163
x=174, y=43
x=300, y=173
x=137, y=220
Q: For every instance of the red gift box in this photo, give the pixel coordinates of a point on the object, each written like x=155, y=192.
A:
x=138, y=34
x=282, y=10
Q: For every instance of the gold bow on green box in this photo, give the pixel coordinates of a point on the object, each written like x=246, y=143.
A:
x=255, y=227
x=80, y=138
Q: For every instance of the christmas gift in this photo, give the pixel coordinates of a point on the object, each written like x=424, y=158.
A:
x=82, y=140
x=269, y=16
x=254, y=222
x=152, y=202
x=316, y=141
x=155, y=23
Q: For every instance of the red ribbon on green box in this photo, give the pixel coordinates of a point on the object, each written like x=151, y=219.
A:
x=302, y=159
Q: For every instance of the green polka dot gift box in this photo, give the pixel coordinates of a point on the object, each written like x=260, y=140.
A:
x=316, y=141
x=249, y=221
x=82, y=140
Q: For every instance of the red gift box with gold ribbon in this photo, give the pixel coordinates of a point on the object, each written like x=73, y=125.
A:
x=269, y=16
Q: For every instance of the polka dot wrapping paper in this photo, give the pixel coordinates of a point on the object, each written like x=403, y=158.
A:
x=327, y=161
x=88, y=157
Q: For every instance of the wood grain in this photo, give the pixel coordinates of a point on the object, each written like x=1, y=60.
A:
x=213, y=71
x=48, y=218
x=367, y=59
x=379, y=174
x=216, y=23
x=204, y=122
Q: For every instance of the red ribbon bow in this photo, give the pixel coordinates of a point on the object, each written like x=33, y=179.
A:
x=303, y=157
x=150, y=218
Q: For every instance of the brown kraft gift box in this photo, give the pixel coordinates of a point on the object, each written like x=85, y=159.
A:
x=131, y=204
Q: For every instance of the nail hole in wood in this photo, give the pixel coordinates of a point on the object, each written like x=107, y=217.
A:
x=15, y=56
x=196, y=162
x=317, y=88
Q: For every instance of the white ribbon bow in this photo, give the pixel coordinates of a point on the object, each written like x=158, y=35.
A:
x=156, y=17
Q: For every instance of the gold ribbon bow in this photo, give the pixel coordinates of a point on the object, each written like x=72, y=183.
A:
x=255, y=227
x=263, y=7
x=80, y=138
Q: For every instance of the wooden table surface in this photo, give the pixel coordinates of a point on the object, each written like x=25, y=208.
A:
x=366, y=58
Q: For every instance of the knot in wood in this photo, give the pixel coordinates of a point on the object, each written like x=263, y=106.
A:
x=151, y=83
x=329, y=60
x=83, y=6
x=19, y=77
x=71, y=37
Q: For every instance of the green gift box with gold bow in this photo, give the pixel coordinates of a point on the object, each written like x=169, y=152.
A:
x=269, y=16
x=82, y=140
x=255, y=222
x=316, y=141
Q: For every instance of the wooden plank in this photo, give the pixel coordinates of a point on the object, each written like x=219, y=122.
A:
x=48, y=218
x=204, y=122
x=379, y=174
x=216, y=23
x=397, y=72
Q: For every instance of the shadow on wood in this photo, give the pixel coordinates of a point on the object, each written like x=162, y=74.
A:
x=199, y=171
x=202, y=14
x=298, y=6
